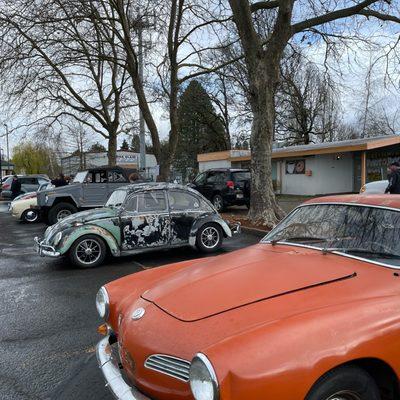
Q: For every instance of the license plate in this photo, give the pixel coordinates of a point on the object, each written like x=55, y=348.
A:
x=239, y=196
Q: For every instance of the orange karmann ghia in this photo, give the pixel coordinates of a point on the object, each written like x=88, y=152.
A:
x=312, y=312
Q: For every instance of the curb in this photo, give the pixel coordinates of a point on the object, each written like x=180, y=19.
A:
x=254, y=231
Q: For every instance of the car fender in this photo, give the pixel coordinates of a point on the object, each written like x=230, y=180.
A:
x=70, y=235
x=302, y=348
x=198, y=223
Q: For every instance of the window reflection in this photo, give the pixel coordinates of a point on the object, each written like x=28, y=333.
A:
x=366, y=232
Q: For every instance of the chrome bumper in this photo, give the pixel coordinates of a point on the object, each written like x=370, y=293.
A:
x=44, y=249
x=112, y=373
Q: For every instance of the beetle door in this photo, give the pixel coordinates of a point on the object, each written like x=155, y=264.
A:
x=145, y=221
x=185, y=208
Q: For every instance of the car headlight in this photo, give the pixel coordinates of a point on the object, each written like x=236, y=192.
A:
x=203, y=380
x=57, y=238
x=103, y=303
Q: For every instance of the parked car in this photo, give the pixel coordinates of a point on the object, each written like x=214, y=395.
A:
x=23, y=206
x=137, y=218
x=224, y=187
x=29, y=183
x=376, y=187
x=89, y=189
x=312, y=312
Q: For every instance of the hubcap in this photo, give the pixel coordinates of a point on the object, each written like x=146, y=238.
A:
x=88, y=251
x=217, y=203
x=63, y=214
x=31, y=216
x=345, y=395
x=210, y=237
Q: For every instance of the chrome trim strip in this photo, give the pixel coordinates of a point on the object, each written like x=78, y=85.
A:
x=174, y=367
x=112, y=374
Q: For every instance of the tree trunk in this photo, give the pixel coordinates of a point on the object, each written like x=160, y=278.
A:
x=264, y=208
x=112, y=149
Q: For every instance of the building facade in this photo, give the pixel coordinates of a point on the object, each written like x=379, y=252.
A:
x=323, y=168
x=7, y=168
x=70, y=165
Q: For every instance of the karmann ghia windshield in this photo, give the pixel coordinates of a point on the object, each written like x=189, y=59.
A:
x=370, y=233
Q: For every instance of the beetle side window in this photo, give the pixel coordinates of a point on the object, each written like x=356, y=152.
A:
x=152, y=202
x=182, y=201
x=131, y=204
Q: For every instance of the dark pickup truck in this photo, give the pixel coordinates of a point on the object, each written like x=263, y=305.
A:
x=89, y=189
x=224, y=187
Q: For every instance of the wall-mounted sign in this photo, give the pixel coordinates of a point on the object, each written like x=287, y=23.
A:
x=294, y=167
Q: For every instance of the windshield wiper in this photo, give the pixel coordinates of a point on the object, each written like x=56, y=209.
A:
x=349, y=250
x=299, y=239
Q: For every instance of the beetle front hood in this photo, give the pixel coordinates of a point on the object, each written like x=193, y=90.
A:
x=87, y=216
x=215, y=285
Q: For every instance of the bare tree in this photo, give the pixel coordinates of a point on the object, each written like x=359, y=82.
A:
x=60, y=63
x=305, y=102
x=263, y=53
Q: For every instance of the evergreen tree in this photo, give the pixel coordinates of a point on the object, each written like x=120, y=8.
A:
x=135, y=143
x=97, y=148
x=200, y=129
x=124, y=145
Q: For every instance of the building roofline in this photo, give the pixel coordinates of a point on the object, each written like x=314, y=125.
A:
x=307, y=150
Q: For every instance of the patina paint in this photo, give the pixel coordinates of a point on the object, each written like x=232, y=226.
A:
x=145, y=231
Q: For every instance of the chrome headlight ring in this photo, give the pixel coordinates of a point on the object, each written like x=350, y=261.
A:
x=203, y=379
x=103, y=303
x=57, y=238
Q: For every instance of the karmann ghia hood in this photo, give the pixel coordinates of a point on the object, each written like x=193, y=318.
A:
x=215, y=285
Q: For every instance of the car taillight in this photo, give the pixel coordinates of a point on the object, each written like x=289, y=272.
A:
x=6, y=186
x=230, y=184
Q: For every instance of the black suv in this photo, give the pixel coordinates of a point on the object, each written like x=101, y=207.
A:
x=224, y=186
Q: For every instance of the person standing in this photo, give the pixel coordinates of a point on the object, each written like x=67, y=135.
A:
x=59, y=181
x=15, y=187
x=394, y=179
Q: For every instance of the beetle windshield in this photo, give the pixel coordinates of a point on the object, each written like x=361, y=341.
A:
x=116, y=199
x=365, y=232
x=80, y=177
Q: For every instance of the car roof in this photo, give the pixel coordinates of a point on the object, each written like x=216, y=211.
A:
x=374, y=200
x=137, y=187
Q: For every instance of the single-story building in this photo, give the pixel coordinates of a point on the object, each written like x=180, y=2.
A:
x=70, y=165
x=7, y=168
x=323, y=168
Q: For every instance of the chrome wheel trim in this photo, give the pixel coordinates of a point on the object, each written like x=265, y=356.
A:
x=217, y=201
x=210, y=237
x=63, y=214
x=31, y=216
x=88, y=251
x=345, y=395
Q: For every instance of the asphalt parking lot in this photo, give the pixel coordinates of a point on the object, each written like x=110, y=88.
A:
x=48, y=316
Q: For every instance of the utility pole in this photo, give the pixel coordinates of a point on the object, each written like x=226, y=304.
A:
x=8, y=148
x=142, y=132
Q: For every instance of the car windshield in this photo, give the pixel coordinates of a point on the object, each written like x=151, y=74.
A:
x=116, y=199
x=368, y=232
x=80, y=177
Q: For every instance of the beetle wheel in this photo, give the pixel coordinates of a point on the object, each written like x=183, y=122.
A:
x=88, y=251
